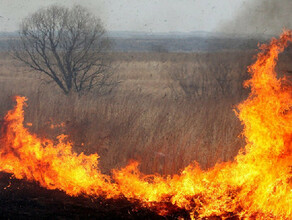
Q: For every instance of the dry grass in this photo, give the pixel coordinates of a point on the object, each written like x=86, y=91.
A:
x=142, y=119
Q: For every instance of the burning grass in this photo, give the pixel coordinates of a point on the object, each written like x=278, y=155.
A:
x=142, y=120
x=26, y=200
x=257, y=184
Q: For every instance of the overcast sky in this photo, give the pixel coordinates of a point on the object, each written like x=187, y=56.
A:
x=167, y=15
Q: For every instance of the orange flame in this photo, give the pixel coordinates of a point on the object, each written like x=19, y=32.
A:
x=258, y=184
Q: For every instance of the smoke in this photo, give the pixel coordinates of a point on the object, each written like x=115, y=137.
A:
x=261, y=17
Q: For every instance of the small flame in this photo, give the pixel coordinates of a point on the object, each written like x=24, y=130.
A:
x=257, y=184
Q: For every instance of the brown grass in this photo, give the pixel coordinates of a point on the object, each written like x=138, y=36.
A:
x=142, y=119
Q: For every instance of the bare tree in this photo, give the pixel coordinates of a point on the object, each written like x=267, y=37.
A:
x=67, y=46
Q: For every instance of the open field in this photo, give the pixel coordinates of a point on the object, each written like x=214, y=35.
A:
x=168, y=110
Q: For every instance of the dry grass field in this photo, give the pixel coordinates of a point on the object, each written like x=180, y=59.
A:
x=168, y=110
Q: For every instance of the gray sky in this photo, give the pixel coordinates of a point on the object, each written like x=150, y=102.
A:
x=162, y=15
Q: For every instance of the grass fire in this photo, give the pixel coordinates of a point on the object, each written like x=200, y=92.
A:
x=257, y=184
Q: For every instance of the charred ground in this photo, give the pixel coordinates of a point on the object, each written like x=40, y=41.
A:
x=20, y=199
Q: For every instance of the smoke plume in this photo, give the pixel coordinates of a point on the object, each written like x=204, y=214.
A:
x=261, y=17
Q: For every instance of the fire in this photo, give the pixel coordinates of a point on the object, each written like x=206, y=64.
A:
x=257, y=184
x=54, y=166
